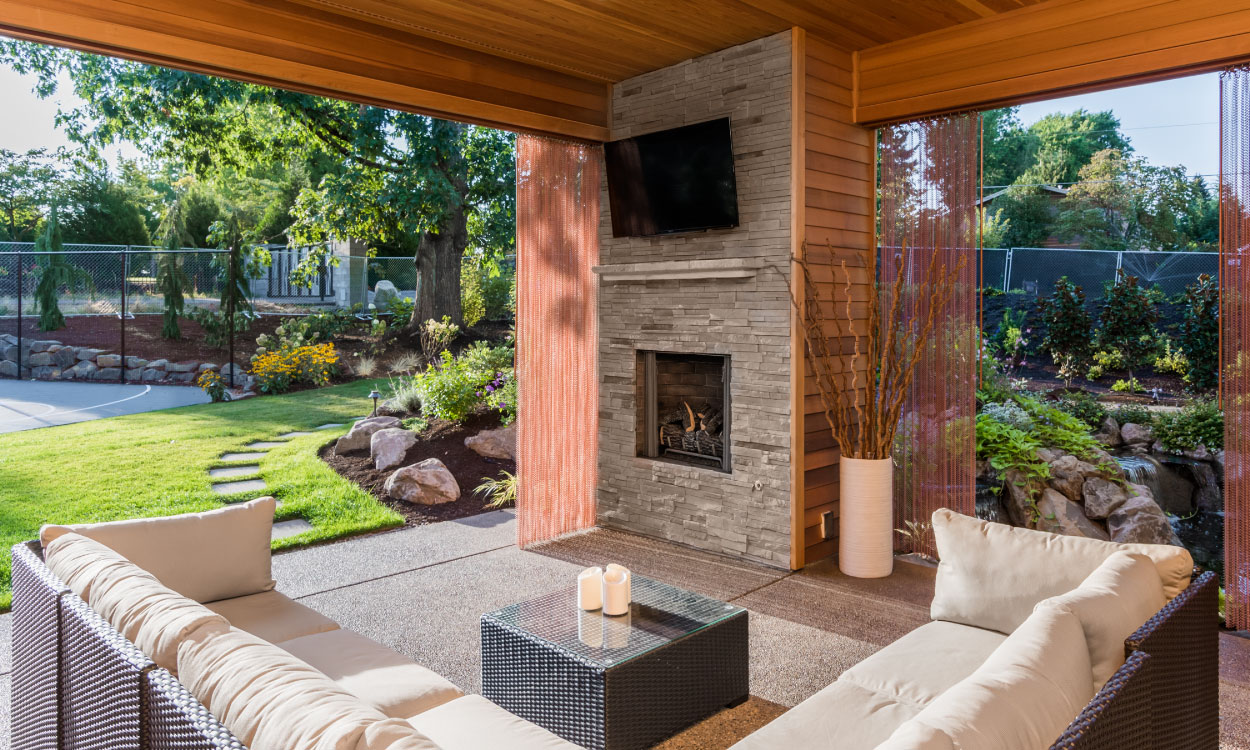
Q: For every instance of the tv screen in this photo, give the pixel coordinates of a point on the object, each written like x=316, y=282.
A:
x=675, y=180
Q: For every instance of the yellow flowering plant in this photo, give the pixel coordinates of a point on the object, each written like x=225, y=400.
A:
x=214, y=385
x=277, y=371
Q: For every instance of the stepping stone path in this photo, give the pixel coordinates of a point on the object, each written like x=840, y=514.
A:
x=256, y=451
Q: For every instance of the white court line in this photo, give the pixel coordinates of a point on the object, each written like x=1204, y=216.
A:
x=51, y=408
x=146, y=389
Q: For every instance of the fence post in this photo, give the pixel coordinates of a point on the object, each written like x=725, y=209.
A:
x=230, y=292
x=125, y=279
x=1007, y=269
x=1119, y=264
x=20, y=270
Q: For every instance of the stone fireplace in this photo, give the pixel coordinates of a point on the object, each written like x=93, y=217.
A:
x=683, y=408
x=694, y=328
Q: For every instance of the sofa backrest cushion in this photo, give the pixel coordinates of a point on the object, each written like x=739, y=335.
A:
x=271, y=700
x=1114, y=601
x=151, y=616
x=991, y=575
x=1024, y=695
x=912, y=736
x=218, y=554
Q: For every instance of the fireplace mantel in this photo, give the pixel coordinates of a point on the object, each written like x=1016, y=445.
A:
x=721, y=268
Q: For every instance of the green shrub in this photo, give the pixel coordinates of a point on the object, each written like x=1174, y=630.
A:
x=1083, y=406
x=1069, y=329
x=449, y=391
x=1132, y=413
x=497, y=294
x=405, y=394
x=1127, y=322
x=1132, y=385
x=1200, y=332
x=400, y=308
x=1199, y=423
x=317, y=328
x=1009, y=413
x=1103, y=362
x=437, y=335
x=483, y=358
x=472, y=294
x=501, y=394
x=500, y=493
x=1172, y=360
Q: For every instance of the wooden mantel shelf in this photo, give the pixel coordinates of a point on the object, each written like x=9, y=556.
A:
x=722, y=268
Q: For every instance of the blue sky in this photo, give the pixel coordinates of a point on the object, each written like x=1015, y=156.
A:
x=1169, y=122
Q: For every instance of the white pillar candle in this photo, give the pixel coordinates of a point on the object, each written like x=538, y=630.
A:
x=629, y=580
x=616, y=591
x=590, y=628
x=590, y=588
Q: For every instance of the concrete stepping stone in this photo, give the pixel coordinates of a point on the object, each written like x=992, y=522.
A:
x=297, y=433
x=233, y=471
x=254, y=456
x=330, y=426
x=264, y=445
x=283, y=529
x=245, y=485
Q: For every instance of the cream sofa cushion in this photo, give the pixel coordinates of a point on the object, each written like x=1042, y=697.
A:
x=270, y=700
x=149, y=615
x=394, y=734
x=992, y=575
x=1024, y=695
x=870, y=700
x=385, y=679
x=923, y=664
x=1113, y=602
x=474, y=723
x=272, y=616
x=913, y=736
x=207, y=556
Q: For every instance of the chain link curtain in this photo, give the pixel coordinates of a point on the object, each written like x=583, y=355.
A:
x=1235, y=336
x=557, y=215
x=929, y=176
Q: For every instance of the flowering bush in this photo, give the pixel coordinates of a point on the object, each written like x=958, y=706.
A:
x=500, y=394
x=449, y=391
x=276, y=372
x=213, y=384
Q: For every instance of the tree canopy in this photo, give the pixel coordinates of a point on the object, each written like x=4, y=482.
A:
x=303, y=167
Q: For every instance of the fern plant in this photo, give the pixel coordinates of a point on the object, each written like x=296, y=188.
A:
x=501, y=492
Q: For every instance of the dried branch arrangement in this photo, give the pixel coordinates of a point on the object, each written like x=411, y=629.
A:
x=884, y=351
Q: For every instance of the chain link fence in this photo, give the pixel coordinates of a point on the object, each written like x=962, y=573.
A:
x=1034, y=270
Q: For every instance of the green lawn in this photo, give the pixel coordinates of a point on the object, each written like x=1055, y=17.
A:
x=157, y=464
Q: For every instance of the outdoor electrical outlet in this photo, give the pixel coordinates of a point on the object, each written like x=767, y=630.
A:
x=826, y=525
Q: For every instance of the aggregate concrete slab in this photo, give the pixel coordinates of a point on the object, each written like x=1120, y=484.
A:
x=5, y=688
x=28, y=404
x=283, y=529
x=331, y=426
x=6, y=644
x=264, y=445
x=326, y=566
x=249, y=456
x=233, y=471
x=245, y=485
x=297, y=433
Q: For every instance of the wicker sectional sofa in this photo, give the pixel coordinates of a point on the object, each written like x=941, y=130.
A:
x=1030, y=629
x=167, y=633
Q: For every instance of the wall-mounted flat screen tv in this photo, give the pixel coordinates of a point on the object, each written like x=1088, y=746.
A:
x=677, y=180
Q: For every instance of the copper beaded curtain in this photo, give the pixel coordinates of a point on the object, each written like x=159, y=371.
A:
x=557, y=219
x=929, y=173
x=1235, y=337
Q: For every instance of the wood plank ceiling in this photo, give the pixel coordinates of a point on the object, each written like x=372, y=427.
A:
x=538, y=65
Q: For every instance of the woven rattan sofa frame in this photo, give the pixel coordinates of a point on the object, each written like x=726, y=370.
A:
x=79, y=685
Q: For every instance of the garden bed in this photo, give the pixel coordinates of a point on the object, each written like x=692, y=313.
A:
x=442, y=440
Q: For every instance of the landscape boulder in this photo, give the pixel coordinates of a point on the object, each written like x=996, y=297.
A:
x=1109, y=433
x=85, y=354
x=1140, y=520
x=107, y=373
x=1102, y=497
x=498, y=443
x=43, y=346
x=84, y=370
x=39, y=359
x=1017, y=499
x=135, y=363
x=388, y=447
x=1137, y=434
x=1058, y=514
x=64, y=357
x=158, y=364
x=383, y=292
x=426, y=483
x=1068, y=475
x=181, y=367
x=108, y=360
x=361, y=433
x=8, y=369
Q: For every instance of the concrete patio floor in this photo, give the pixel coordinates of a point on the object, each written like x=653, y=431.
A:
x=421, y=591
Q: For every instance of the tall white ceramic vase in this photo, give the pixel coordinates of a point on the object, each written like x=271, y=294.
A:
x=866, y=518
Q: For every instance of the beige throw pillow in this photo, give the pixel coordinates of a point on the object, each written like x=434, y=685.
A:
x=151, y=616
x=219, y=554
x=272, y=701
x=992, y=575
x=1113, y=602
x=1022, y=698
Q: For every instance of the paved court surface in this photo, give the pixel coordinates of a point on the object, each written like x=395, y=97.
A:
x=27, y=404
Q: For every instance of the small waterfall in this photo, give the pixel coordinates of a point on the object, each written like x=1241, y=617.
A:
x=1142, y=470
x=1170, y=488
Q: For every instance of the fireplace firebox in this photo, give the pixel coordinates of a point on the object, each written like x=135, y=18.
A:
x=683, y=408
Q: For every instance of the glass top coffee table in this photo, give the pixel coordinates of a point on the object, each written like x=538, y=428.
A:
x=616, y=683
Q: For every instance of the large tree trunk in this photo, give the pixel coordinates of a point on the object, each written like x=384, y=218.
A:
x=440, y=252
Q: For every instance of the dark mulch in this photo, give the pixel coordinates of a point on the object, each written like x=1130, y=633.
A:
x=441, y=440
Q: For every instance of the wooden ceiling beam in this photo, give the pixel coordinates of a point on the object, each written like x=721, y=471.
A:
x=1060, y=47
x=280, y=43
